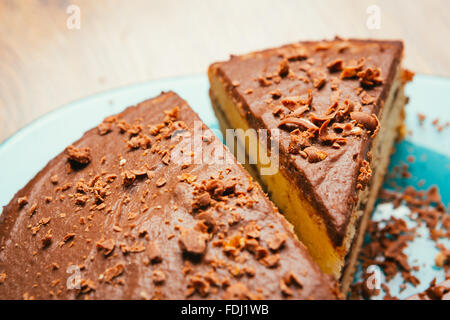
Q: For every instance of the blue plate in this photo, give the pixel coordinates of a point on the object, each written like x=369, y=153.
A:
x=29, y=150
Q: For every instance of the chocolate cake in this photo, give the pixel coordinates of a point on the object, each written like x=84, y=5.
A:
x=133, y=210
x=337, y=108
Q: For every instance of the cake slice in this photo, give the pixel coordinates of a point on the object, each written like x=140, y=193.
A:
x=334, y=108
x=133, y=211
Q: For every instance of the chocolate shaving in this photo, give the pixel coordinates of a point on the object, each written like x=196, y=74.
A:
x=295, y=101
x=330, y=137
x=435, y=291
x=193, y=241
x=107, y=246
x=314, y=155
x=277, y=241
x=134, y=130
x=22, y=201
x=87, y=286
x=143, y=141
x=366, y=98
x=128, y=178
x=336, y=65
x=352, y=69
x=290, y=278
x=263, y=82
x=365, y=173
x=251, y=230
x=47, y=239
x=197, y=283
x=154, y=252
x=109, y=274
x=370, y=77
x=202, y=201
x=158, y=276
x=299, y=111
x=283, y=69
x=318, y=78
x=161, y=182
x=3, y=277
x=276, y=94
x=300, y=140
x=295, y=53
x=271, y=260
x=104, y=128
x=370, y=122
x=303, y=123
x=80, y=156
x=238, y=291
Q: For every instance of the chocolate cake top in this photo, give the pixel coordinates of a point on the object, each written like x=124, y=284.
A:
x=326, y=98
x=132, y=210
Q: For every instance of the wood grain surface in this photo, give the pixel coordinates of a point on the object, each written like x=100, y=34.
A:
x=44, y=64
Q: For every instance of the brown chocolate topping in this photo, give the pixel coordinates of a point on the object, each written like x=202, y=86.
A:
x=79, y=155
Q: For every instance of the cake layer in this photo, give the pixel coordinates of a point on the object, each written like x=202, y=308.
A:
x=328, y=99
x=133, y=210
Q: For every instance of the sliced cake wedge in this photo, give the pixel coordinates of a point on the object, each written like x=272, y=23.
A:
x=151, y=205
x=336, y=108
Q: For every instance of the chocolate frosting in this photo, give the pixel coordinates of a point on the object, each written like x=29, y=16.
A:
x=118, y=216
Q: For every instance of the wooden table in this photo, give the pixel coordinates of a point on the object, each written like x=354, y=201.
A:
x=44, y=64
